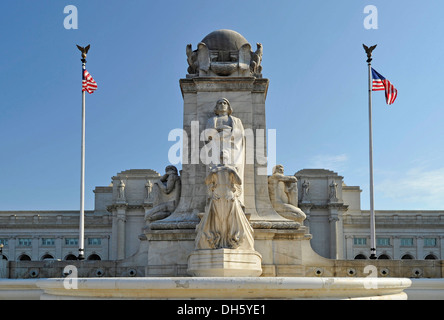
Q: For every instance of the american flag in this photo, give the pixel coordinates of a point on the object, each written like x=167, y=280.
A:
x=88, y=83
x=380, y=83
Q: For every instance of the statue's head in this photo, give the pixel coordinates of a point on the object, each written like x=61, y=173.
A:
x=278, y=169
x=171, y=168
x=223, y=105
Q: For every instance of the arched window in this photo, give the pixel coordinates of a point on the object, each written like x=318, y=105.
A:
x=4, y=257
x=407, y=256
x=24, y=257
x=384, y=256
x=47, y=257
x=70, y=257
x=94, y=257
x=431, y=257
x=360, y=256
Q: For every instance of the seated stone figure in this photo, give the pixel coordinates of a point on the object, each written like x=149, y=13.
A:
x=165, y=194
x=284, y=195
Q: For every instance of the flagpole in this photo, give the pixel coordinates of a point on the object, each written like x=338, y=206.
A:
x=82, y=176
x=372, y=210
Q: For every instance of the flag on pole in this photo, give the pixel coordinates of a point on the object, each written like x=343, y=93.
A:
x=88, y=83
x=380, y=83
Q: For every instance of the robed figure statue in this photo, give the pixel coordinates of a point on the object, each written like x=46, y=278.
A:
x=224, y=224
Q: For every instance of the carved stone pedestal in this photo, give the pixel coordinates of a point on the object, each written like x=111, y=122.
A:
x=224, y=263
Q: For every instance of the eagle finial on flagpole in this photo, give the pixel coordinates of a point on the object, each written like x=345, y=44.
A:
x=369, y=52
x=84, y=51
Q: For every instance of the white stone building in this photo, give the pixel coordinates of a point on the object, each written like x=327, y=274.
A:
x=48, y=235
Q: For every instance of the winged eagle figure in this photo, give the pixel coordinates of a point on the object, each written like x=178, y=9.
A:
x=84, y=50
x=369, y=51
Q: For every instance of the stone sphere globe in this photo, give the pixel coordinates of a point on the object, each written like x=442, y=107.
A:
x=224, y=40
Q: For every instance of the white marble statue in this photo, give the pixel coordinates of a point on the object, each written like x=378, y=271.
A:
x=148, y=192
x=227, y=135
x=165, y=193
x=283, y=193
x=224, y=224
x=121, y=191
x=333, y=194
x=306, y=191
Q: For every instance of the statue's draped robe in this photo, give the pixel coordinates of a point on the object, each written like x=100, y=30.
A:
x=231, y=142
x=224, y=224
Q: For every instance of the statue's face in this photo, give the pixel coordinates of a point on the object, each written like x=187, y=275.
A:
x=280, y=169
x=222, y=106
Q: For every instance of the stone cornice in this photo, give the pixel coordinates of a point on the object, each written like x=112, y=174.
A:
x=127, y=206
x=31, y=213
x=217, y=84
x=336, y=205
x=69, y=223
x=115, y=206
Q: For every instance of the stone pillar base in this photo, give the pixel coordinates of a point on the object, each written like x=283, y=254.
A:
x=225, y=263
x=4, y=269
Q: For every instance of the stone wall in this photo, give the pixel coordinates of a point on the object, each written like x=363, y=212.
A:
x=84, y=269
x=316, y=268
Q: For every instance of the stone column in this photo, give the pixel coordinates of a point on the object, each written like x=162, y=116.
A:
x=419, y=247
x=58, y=247
x=120, y=219
x=118, y=210
x=35, y=248
x=4, y=270
x=441, y=247
x=396, y=247
x=349, y=247
x=105, y=247
x=336, y=230
x=333, y=221
x=11, y=248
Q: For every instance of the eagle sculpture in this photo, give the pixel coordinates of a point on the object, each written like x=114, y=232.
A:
x=84, y=50
x=369, y=51
x=192, y=60
x=256, y=59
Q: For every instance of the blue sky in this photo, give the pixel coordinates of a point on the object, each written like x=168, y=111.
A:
x=317, y=98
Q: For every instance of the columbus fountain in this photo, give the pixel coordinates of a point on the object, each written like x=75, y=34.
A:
x=225, y=228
